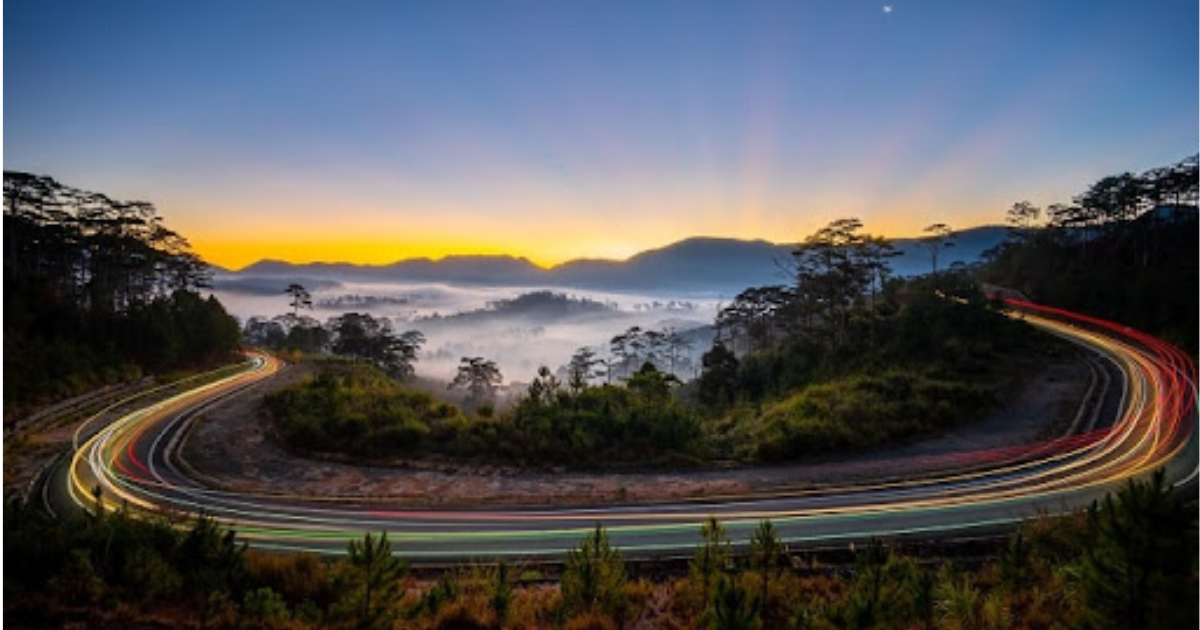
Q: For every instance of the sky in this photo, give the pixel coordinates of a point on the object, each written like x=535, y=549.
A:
x=375, y=131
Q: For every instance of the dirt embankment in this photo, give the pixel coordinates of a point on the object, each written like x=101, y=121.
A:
x=229, y=448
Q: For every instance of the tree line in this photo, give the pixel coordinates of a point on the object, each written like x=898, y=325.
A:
x=1114, y=201
x=359, y=336
x=98, y=290
x=1125, y=249
x=668, y=350
x=99, y=253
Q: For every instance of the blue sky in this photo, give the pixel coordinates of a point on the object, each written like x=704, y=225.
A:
x=374, y=131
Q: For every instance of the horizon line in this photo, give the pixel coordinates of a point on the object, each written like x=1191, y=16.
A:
x=541, y=266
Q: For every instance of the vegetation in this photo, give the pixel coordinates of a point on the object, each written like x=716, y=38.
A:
x=862, y=411
x=1125, y=249
x=593, y=579
x=714, y=556
x=98, y=291
x=374, y=576
x=846, y=357
x=636, y=346
x=849, y=358
x=543, y=305
x=790, y=378
x=361, y=336
x=1130, y=562
x=480, y=377
x=300, y=298
x=358, y=409
x=640, y=421
x=1145, y=540
x=357, y=336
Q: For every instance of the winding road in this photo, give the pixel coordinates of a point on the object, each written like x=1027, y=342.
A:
x=132, y=460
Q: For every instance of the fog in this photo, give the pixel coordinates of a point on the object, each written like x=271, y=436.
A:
x=463, y=321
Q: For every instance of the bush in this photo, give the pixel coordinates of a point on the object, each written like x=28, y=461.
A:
x=356, y=410
x=264, y=606
x=862, y=411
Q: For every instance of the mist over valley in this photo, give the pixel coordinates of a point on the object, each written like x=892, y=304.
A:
x=523, y=317
x=520, y=328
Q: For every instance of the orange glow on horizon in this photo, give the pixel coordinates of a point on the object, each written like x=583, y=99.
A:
x=236, y=254
x=549, y=231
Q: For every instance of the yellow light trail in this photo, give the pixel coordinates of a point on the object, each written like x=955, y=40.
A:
x=1157, y=422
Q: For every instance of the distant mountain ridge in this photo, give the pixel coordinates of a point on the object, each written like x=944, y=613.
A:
x=717, y=266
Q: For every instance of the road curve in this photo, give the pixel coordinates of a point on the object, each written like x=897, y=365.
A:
x=131, y=460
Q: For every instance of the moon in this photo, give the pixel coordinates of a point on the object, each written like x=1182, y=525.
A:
x=887, y=8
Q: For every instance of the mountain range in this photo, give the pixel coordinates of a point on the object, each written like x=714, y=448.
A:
x=702, y=265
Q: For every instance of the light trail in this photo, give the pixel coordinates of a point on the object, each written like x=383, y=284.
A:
x=130, y=459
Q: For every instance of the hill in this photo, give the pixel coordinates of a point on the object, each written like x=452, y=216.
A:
x=716, y=266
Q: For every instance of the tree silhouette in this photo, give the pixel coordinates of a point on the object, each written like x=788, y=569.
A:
x=544, y=390
x=939, y=237
x=96, y=252
x=97, y=290
x=1023, y=217
x=300, y=298
x=480, y=377
x=581, y=369
x=629, y=349
x=754, y=316
x=834, y=268
x=1113, y=200
x=718, y=379
x=365, y=337
x=874, y=252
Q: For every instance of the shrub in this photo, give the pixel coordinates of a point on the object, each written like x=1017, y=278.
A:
x=593, y=578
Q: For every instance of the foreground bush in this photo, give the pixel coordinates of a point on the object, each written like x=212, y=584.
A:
x=1128, y=563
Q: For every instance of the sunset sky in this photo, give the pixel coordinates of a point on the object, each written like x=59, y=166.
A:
x=376, y=131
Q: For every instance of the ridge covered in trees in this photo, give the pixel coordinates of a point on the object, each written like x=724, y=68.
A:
x=1125, y=249
x=96, y=291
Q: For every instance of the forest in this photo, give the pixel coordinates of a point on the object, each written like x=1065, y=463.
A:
x=98, y=291
x=1124, y=249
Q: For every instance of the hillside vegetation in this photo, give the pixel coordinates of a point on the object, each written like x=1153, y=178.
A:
x=98, y=291
x=1126, y=249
